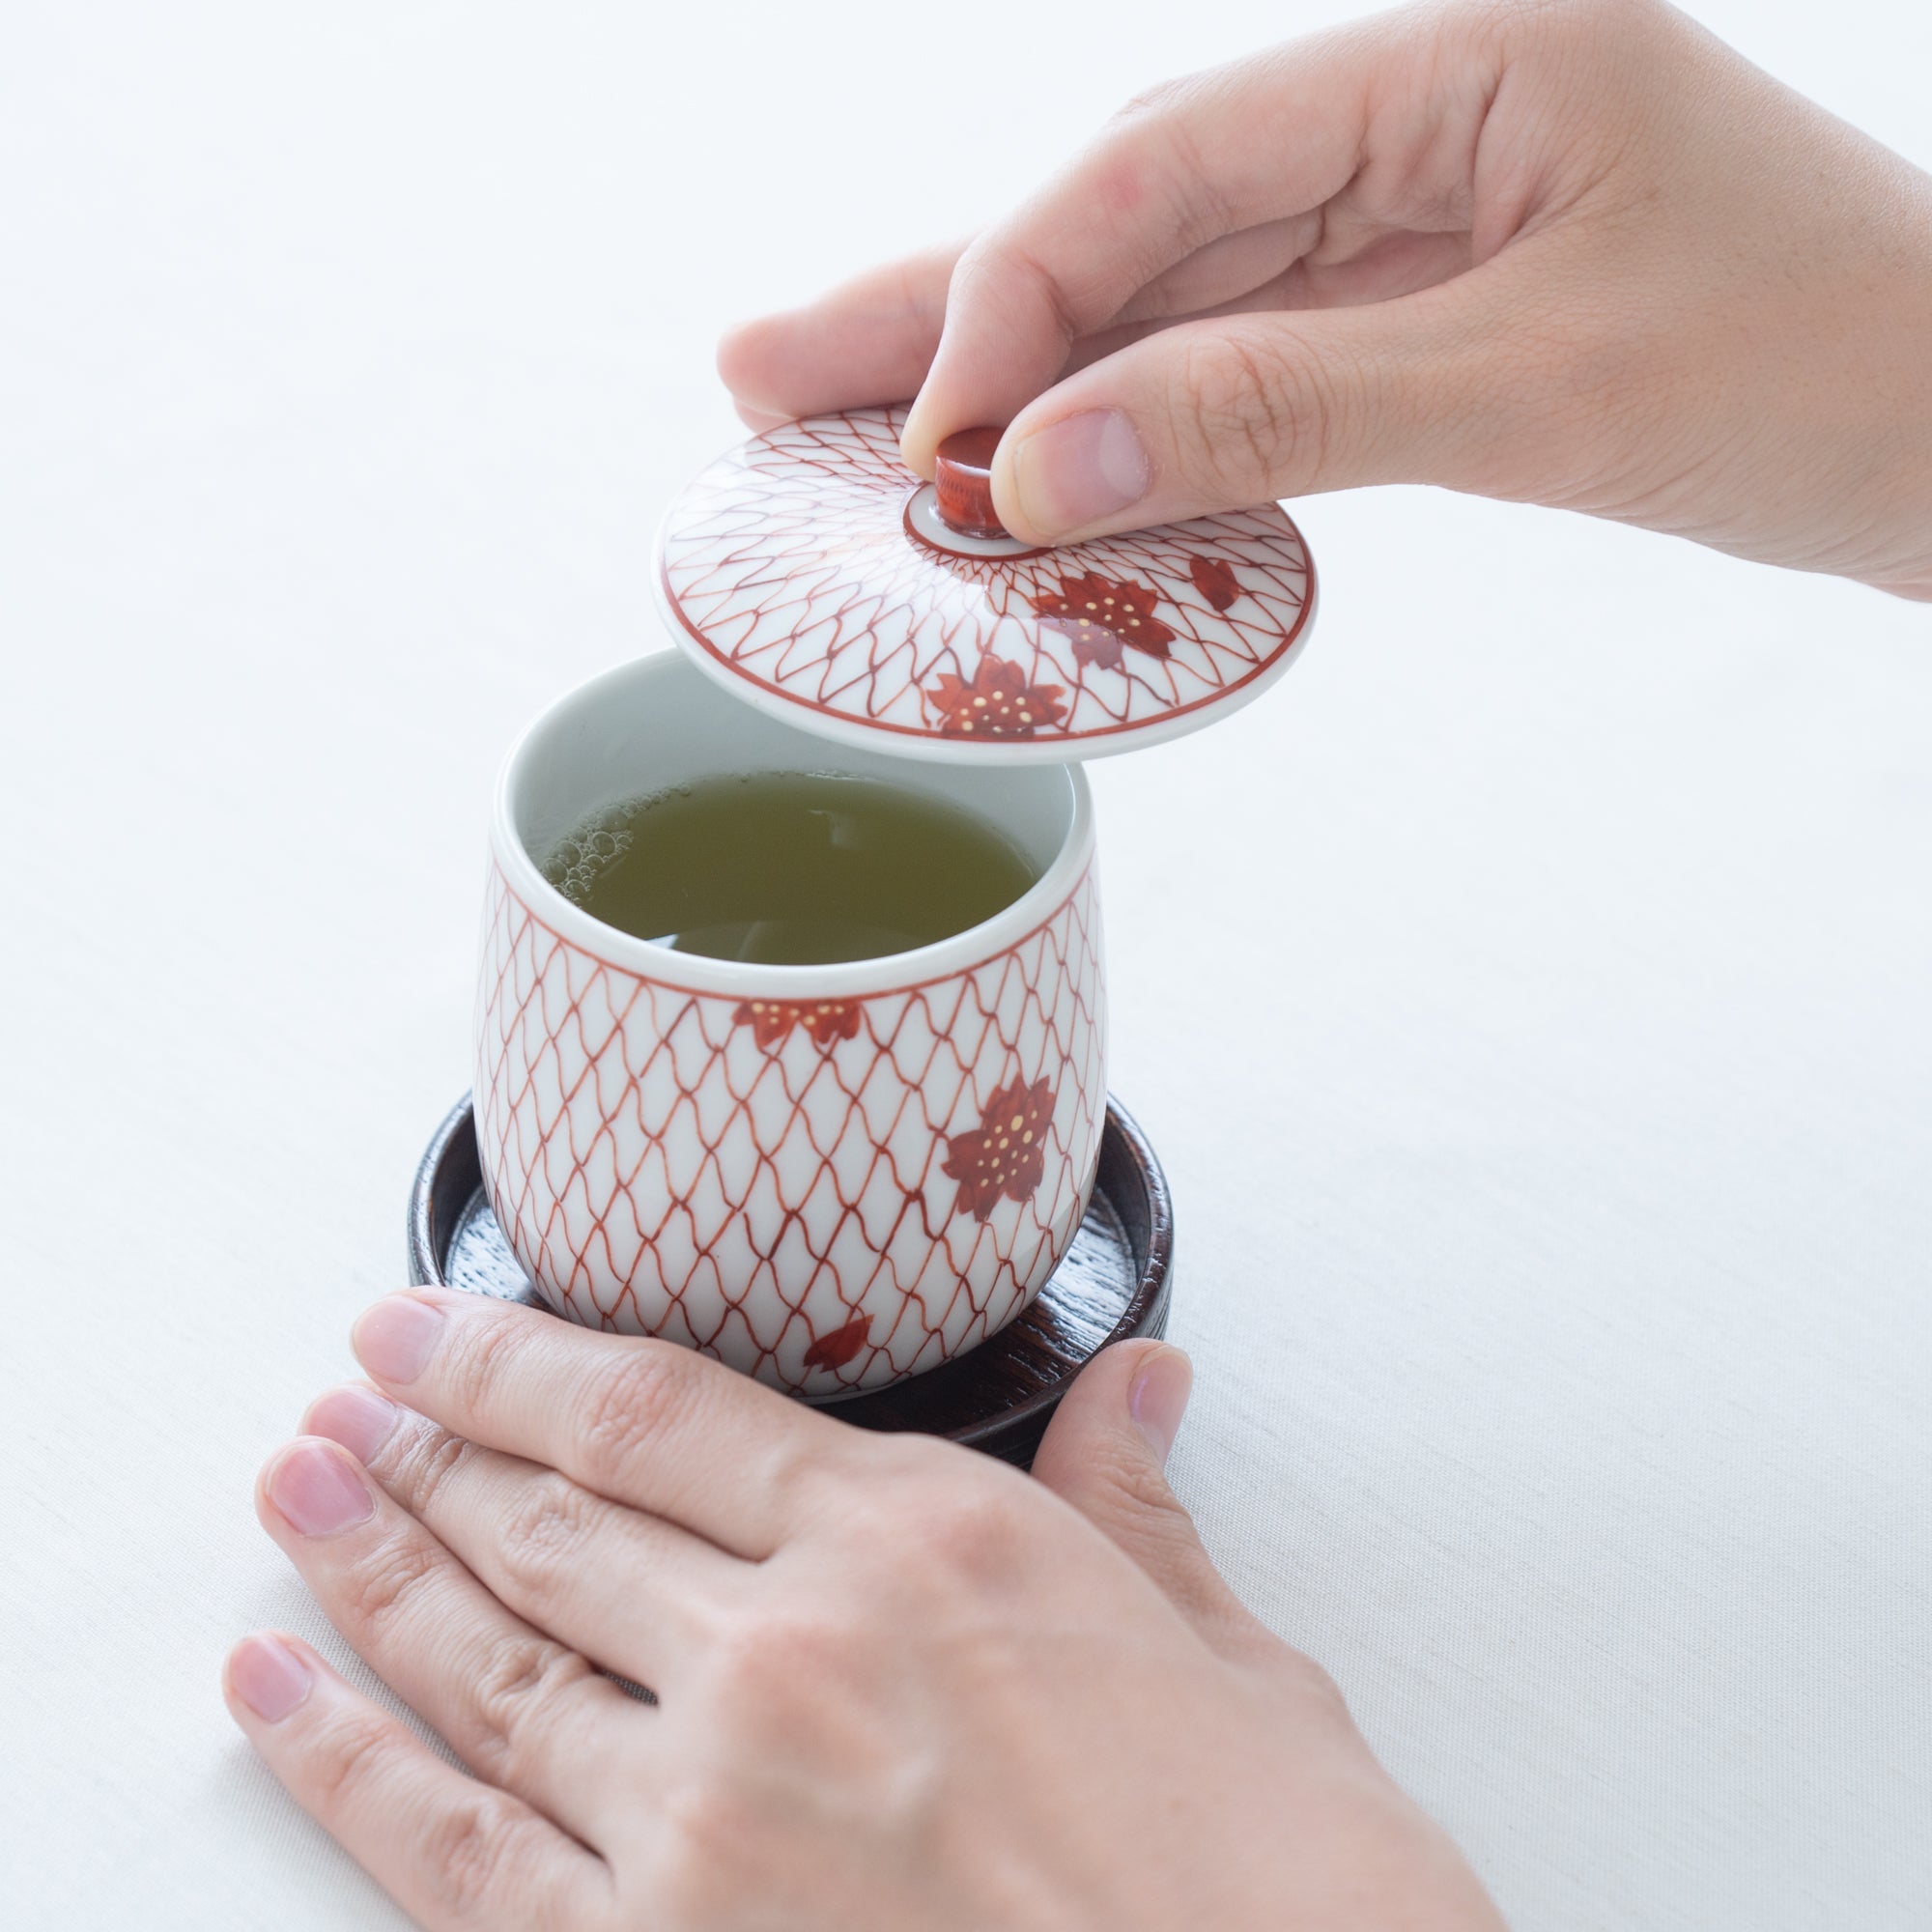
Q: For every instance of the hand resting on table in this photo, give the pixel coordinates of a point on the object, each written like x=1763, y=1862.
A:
x=899, y=1685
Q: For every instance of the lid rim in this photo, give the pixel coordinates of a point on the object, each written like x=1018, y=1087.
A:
x=917, y=747
x=930, y=664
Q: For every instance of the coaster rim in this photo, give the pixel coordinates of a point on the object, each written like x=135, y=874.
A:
x=1012, y=1433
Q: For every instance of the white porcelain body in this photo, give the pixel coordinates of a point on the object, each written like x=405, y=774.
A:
x=829, y=1177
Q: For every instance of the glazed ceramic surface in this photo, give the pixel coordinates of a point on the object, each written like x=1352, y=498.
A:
x=1113, y=1284
x=829, y=1177
x=812, y=574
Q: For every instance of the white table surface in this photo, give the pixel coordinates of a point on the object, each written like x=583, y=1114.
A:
x=1529, y=998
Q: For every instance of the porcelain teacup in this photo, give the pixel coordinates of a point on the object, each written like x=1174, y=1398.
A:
x=828, y=1177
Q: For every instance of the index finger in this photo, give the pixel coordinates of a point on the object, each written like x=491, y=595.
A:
x=649, y=1424
x=1251, y=142
x=871, y=340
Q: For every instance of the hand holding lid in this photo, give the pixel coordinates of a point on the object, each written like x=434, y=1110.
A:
x=812, y=573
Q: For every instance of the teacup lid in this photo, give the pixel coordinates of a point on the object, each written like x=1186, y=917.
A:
x=812, y=574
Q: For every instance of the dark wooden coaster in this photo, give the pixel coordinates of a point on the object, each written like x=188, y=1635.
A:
x=1114, y=1282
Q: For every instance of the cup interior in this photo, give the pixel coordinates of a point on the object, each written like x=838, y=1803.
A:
x=659, y=722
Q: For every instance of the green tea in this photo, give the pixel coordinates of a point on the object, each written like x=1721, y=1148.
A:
x=788, y=869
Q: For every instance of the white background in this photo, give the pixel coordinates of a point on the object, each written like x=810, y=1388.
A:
x=1529, y=998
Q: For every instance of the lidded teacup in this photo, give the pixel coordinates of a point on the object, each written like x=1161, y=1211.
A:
x=834, y=1176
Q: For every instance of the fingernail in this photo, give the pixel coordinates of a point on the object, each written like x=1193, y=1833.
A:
x=357, y=1418
x=318, y=1490
x=1080, y=470
x=268, y=1677
x=395, y=1339
x=1158, y=1398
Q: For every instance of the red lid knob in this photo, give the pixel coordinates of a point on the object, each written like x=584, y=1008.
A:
x=963, y=480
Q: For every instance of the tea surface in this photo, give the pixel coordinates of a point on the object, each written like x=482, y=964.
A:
x=789, y=868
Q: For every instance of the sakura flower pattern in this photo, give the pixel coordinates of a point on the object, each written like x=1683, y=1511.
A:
x=805, y=570
x=998, y=703
x=1004, y=1156
x=1101, y=614
x=1214, y=580
x=763, y=1206
x=836, y=1349
x=826, y=1021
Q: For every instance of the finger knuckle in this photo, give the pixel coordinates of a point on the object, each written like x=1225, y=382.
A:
x=776, y=1656
x=1498, y=15
x=518, y=1689
x=349, y=1758
x=710, y=1844
x=635, y=1398
x=1189, y=94
x=908, y=1468
x=1153, y=102
x=427, y=1468
x=471, y=1853
x=968, y=1532
x=1312, y=1684
x=486, y=1362
x=1016, y=282
x=927, y=1509
x=877, y=1500
x=1583, y=25
x=1596, y=16
x=1139, y=1485
x=378, y=1588
x=543, y=1535
x=1245, y=413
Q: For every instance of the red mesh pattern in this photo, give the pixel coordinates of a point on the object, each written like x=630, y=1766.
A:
x=773, y=1192
x=790, y=561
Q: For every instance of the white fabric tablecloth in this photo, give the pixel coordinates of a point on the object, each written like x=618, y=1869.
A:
x=1529, y=998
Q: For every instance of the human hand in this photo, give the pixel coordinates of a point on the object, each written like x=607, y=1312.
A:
x=1578, y=254
x=899, y=1685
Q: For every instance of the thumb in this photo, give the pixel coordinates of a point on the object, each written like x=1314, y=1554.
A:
x=1103, y=1452
x=1230, y=411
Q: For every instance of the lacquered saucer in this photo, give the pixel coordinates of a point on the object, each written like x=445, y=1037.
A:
x=1114, y=1282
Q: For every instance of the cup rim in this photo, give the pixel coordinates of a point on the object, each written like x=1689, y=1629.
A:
x=696, y=972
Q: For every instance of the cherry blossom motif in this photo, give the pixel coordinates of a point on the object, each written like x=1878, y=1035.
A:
x=1004, y=1154
x=1213, y=578
x=1101, y=616
x=998, y=703
x=795, y=567
x=816, y=1171
x=836, y=1349
x=826, y=1020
